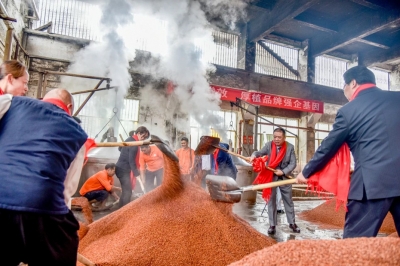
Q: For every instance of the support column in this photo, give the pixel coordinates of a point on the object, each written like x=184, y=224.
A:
x=8, y=45
x=303, y=144
x=250, y=56
x=241, y=58
x=303, y=59
x=394, y=79
x=310, y=64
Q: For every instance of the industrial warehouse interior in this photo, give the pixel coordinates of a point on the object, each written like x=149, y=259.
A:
x=200, y=132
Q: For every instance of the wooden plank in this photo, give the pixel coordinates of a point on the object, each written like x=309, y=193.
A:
x=353, y=30
x=284, y=10
x=314, y=26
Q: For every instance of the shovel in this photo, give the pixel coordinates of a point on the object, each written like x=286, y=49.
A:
x=164, y=147
x=208, y=145
x=225, y=188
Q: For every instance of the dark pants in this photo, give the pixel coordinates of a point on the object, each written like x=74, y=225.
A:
x=364, y=217
x=98, y=195
x=124, y=177
x=38, y=239
x=158, y=175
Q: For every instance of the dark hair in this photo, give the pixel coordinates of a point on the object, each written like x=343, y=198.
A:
x=360, y=74
x=110, y=166
x=144, y=146
x=142, y=130
x=77, y=119
x=13, y=67
x=185, y=139
x=279, y=129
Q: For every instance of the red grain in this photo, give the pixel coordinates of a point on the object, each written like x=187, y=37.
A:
x=351, y=251
x=175, y=224
x=326, y=215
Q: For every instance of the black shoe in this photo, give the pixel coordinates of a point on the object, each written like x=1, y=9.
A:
x=280, y=211
x=295, y=228
x=271, y=230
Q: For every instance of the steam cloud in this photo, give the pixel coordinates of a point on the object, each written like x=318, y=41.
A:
x=188, y=27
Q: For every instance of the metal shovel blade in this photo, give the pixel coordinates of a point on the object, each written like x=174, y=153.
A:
x=223, y=188
x=164, y=147
x=206, y=145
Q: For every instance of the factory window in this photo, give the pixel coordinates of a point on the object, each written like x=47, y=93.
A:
x=381, y=78
x=329, y=71
x=70, y=17
x=96, y=119
x=265, y=130
x=321, y=132
x=276, y=60
x=224, y=128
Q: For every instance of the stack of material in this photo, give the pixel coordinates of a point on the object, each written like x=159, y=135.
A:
x=326, y=215
x=175, y=224
x=351, y=251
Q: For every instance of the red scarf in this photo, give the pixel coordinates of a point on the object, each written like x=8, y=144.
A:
x=135, y=137
x=215, y=154
x=338, y=166
x=1, y=92
x=265, y=175
x=361, y=88
x=58, y=103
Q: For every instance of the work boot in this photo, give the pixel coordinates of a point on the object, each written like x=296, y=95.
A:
x=271, y=230
x=295, y=228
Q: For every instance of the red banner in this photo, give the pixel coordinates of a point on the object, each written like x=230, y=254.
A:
x=264, y=99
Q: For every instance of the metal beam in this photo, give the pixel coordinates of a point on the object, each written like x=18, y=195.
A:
x=284, y=10
x=314, y=26
x=354, y=30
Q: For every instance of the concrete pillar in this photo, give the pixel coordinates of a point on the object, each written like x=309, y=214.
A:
x=303, y=59
x=241, y=58
x=394, y=79
x=303, y=144
x=353, y=62
x=250, y=56
x=310, y=64
x=8, y=45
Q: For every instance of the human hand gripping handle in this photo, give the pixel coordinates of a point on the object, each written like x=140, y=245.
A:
x=300, y=179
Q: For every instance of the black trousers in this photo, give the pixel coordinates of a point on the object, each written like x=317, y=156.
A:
x=150, y=176
x=364, y=217
x=124, y=177
x=38, y=239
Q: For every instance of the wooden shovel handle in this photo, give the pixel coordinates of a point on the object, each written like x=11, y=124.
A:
x=270, y=185
x=85, y=261
x=246, y=159
x=123, y=144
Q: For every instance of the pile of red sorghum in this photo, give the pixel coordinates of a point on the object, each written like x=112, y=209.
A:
x=175, y=224
x=83, y=203
x=327, y=215
x=350, y=251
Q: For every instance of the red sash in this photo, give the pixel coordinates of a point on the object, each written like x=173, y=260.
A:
x=335, y=176
x=265, y=175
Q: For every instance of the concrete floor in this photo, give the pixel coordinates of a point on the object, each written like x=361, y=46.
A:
x=252, y=214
